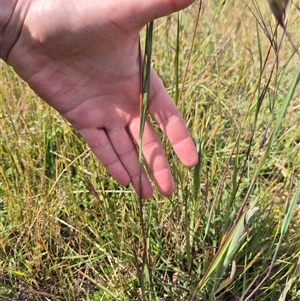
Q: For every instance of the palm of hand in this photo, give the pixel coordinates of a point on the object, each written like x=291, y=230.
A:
x=89, y=71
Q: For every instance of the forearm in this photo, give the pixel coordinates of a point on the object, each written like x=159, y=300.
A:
x=12, y=14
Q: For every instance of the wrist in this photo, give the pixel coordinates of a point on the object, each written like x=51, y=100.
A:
x=12, y=14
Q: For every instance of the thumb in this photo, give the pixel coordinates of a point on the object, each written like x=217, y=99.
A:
x=148, y=10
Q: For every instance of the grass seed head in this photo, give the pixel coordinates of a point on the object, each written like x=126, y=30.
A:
x=278, y=8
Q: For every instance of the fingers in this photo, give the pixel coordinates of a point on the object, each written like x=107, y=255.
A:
x=127, y=153
x=117, y=153
x=116, y=150
x=101, y=146
x=154, y=156
x=164, y=111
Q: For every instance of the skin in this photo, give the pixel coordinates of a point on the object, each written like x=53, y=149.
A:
x=82, y=58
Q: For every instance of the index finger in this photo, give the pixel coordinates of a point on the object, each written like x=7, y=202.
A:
x=169, y=119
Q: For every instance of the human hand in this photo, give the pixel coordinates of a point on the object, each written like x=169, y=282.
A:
x=82, y=58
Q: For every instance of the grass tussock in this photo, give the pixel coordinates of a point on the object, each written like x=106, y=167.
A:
x=231, y=229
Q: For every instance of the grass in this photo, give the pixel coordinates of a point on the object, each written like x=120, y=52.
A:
x=69, y=232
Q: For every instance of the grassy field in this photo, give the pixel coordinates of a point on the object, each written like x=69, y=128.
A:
x=231, y=231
